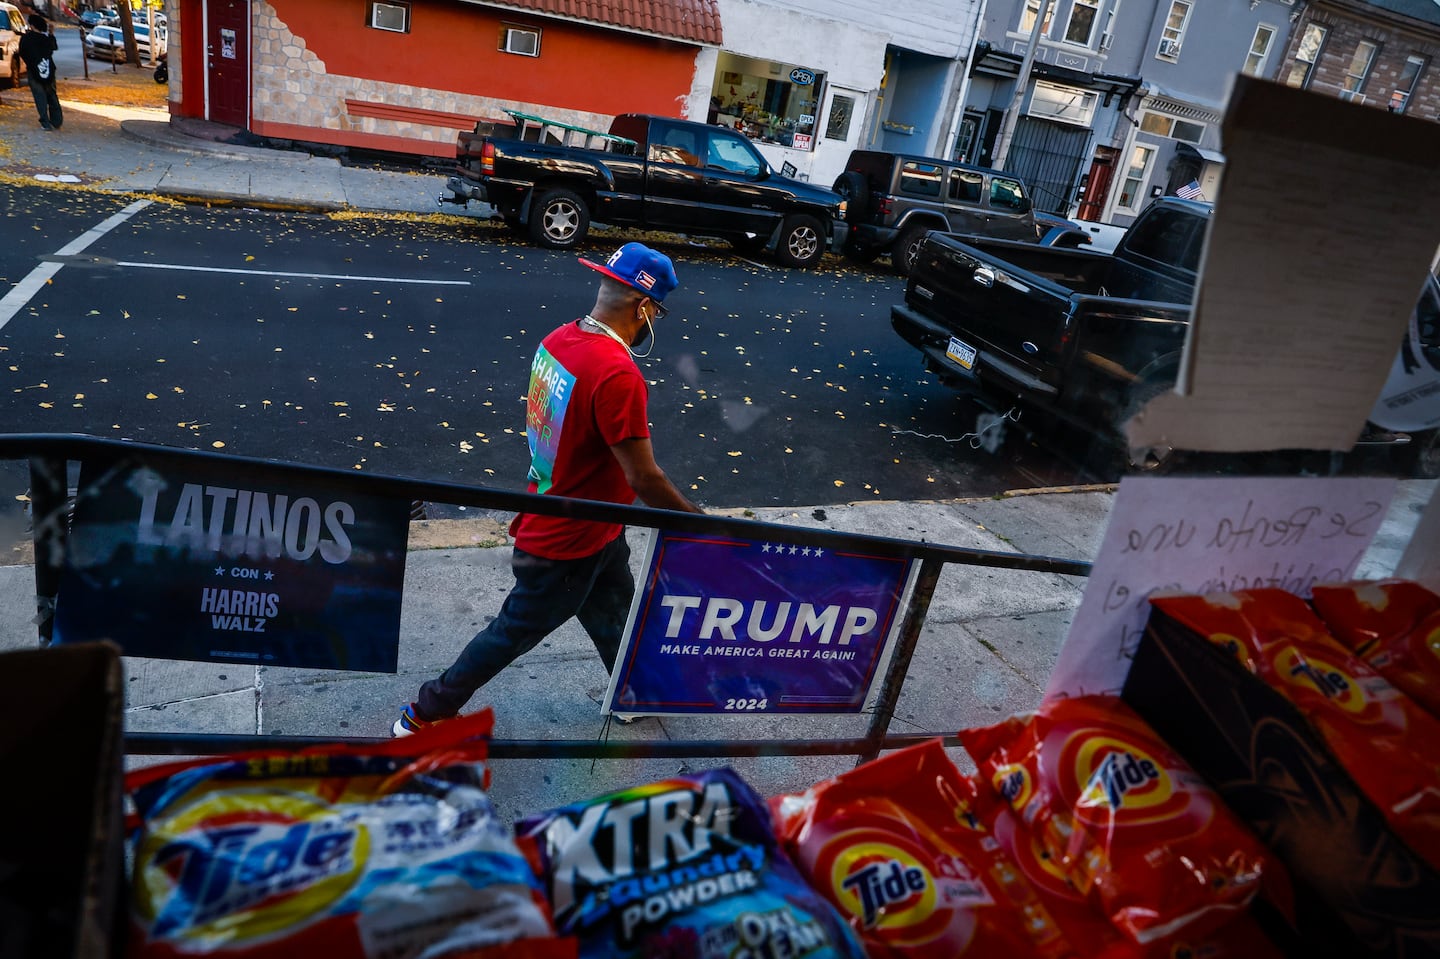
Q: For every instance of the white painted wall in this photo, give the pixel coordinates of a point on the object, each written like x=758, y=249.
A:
x=850, y=55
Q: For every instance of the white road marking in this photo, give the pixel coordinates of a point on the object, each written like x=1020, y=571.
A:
x=36, y=279
x=302, y=276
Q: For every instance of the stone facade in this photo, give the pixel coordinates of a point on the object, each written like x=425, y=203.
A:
x=1347, y=24
x=175, y=90
x=290, y=85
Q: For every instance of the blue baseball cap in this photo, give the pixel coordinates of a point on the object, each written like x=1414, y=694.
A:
x=640, y=268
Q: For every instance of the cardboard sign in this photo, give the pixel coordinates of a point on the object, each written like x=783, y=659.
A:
x=1285, y=350
x=1205, y=536
x=724, y=625
x=204, y=562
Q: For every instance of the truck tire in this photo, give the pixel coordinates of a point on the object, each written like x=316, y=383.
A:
x=559, y=219
x=856, y=190
x=802, y=241
x=907, y=248
x=1425, y=454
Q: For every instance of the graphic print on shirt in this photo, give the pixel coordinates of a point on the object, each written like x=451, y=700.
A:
x=545, y=403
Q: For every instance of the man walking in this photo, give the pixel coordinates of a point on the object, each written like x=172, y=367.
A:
x=589, y=436
x=37, y=49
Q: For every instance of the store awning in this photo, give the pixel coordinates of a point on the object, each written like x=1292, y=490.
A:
x=697, y=21
x=1199, y=153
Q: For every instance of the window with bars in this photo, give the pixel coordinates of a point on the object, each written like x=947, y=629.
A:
x=1307, y=54
x=1358, y=71
x=1405, y=83
x=1083, y=16
x=1259, y=50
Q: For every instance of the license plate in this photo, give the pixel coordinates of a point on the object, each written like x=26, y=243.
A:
x=962, y=353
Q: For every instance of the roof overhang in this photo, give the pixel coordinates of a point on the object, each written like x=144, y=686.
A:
x=1199, y=153
x=688, y=21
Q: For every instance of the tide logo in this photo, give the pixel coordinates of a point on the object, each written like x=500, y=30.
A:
x=1314, y=674
x=1115, y=777
x=1012, y=781
x=216, y=871
x=884, y=882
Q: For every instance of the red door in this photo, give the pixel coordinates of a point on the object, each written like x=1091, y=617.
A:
x=1097, y=186
x=227, y=61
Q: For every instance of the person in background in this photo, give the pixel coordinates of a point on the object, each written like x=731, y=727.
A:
x=587, y=423
x=37, y=49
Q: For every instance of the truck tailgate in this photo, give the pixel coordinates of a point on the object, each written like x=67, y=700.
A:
x=1015, y=319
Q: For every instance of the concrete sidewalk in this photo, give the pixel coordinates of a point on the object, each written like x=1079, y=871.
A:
x=989, y=642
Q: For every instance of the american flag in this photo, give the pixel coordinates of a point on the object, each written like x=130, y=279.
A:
x=1190, y=191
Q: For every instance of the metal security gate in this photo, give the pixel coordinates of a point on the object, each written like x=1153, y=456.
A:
x=1047, y=156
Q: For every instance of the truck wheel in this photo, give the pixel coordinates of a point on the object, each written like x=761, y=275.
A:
x=559, y=219
x=856, y=190
x=1425, y=454
x=802, y=243
x=1151, y=459
x=907, y=248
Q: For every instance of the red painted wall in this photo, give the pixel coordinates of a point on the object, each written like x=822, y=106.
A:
x=191, y=37
x=455, y=46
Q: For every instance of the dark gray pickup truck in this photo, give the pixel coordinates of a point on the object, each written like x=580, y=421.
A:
x=1086, y=337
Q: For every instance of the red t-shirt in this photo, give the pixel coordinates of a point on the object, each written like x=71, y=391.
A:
x=585, y=396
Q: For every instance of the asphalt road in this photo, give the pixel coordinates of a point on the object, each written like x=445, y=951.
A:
x=403, y=348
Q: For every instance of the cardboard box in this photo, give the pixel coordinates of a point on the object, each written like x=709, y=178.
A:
x=61, y=829
x=1359, y=890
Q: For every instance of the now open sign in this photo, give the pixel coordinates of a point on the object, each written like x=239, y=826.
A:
x=726, y=625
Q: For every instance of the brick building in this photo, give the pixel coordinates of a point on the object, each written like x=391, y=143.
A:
x=1382, y=53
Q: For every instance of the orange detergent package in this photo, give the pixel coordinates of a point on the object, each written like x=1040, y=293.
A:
x=1388, y=744
x=1394, y=625
x=1085, y=927
x=1122, y=817
x=385, y=850
x=894, y=845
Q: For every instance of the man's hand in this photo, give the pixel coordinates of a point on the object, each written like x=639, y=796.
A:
x=646, y=478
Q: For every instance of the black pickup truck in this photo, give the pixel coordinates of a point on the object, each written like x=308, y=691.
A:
x=1086, y=337
x=550, y=180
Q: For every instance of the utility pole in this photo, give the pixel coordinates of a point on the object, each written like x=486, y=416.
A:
x=1022, y=82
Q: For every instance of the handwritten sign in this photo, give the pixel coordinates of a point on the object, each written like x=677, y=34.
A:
x=1210, y=536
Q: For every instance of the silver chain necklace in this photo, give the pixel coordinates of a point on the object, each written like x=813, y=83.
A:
x=616, y=336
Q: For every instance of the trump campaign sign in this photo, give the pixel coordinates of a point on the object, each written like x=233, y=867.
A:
x=729, y=625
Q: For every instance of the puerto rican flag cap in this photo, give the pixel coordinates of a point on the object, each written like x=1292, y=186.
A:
x=638, y=266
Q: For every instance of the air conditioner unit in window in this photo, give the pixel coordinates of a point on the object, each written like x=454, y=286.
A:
x=1105, y=40
x=524, y=42
x=1169, y=48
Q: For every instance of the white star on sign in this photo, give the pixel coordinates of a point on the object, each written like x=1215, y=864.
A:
x=764, y=547
x=794, y=550
x=805, y=551
x=219, y=570
x=819, y=552
x=269, y=574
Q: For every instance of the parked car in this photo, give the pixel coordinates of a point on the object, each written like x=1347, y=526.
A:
x=894, y=199
x=12, y=24
x=647, y=171
x=90, y=19
x=108, y=42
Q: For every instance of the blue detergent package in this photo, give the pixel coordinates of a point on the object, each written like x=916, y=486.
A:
x=685, y=867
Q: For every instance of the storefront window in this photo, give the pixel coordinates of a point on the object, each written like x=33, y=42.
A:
x=766, y=100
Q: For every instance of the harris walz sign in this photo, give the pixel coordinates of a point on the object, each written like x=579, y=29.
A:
x=729, y=625
x=197, y=560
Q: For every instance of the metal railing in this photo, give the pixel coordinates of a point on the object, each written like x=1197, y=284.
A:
x=49, y=456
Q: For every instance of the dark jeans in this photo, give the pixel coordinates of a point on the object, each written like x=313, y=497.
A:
x=597, y=589
x=47, y=102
